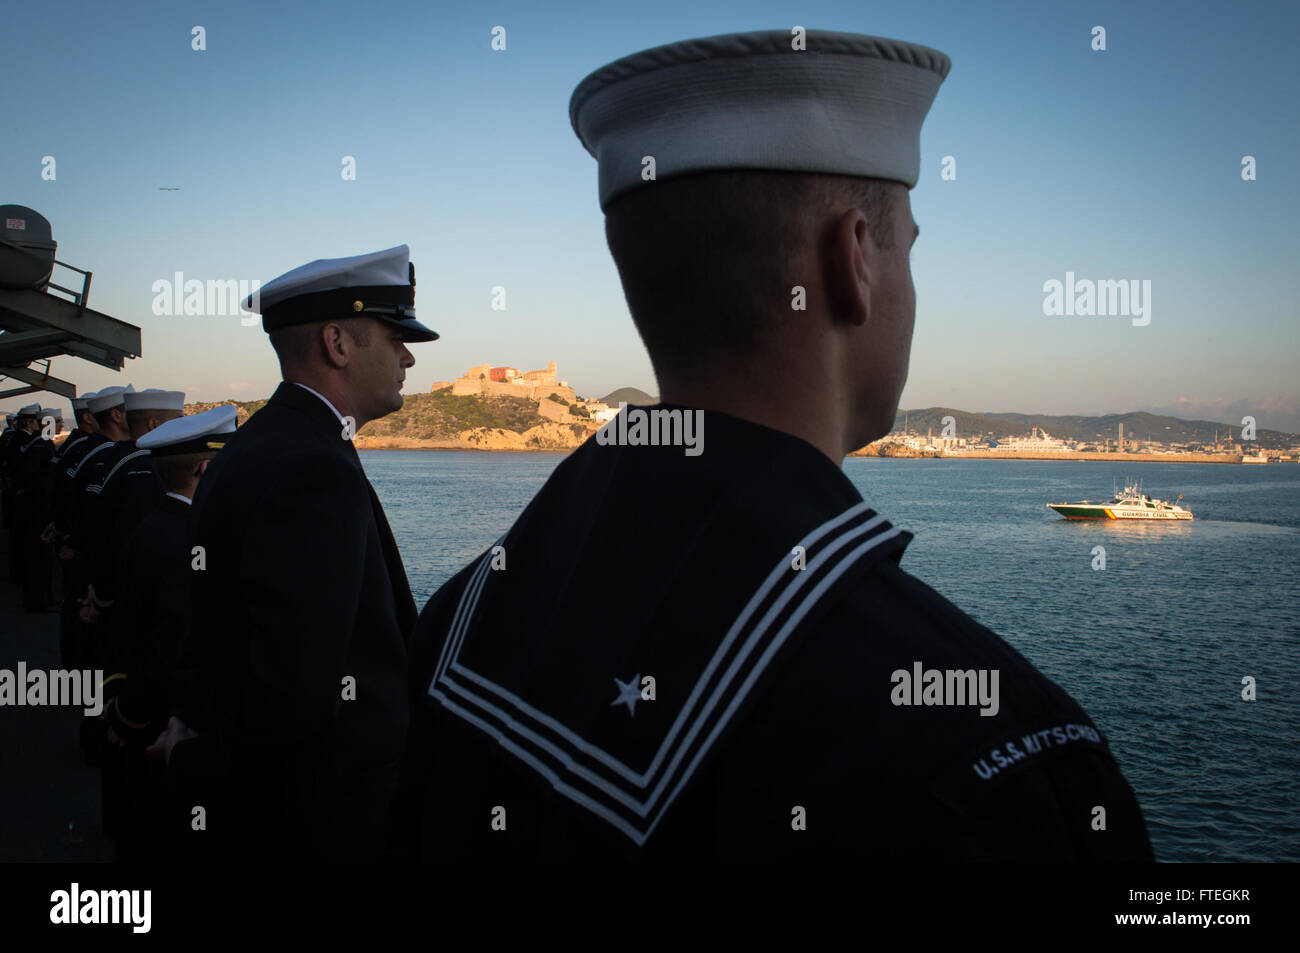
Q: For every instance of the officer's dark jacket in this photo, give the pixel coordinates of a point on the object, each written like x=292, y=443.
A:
x=303, y=586
x=765, y=600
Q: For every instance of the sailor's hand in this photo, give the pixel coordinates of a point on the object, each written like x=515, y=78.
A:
x=67, y=553
x=176, y=732
x=47, y=534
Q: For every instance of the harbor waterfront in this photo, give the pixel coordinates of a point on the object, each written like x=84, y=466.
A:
x=1154, y=646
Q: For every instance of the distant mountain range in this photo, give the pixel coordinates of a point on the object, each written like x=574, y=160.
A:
x=1137, y=426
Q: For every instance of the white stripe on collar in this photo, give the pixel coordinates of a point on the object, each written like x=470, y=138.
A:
x=630, y=800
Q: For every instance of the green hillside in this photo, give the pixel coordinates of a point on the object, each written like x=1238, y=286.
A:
x=437, y=416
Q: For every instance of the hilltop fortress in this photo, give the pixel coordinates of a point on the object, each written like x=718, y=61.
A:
x=488, y=381
x=555, y=398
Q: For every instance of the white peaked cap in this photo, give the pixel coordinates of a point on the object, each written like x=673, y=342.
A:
x=196, y=433
x=378, y=285
x=845, y=104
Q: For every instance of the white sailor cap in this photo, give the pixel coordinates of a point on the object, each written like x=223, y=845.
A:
x=378, y=285
x=31, y=410
x=108, y=398
x=79, y=402
x=154, y=398
x=55, y=412
x=843, y=104
x=197, y=433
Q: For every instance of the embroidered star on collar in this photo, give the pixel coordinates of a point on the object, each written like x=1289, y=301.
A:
x=629, y=693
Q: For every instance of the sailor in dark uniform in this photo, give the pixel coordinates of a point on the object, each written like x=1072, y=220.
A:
x=70, y=518
x=24, y=430
x=296, y=661
x=127, y=492
x=698, y=640
x=73, y=502
x=7, y=438
x=35, y=475
x=153, y=611
x=112, y=506
x=84, y=440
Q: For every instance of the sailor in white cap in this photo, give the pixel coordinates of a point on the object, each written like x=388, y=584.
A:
x=83, y=426
x=304, y=588
x=152, y=610
x=85, y=440
x=736, y=698
x=121, y=494
x=119, y=499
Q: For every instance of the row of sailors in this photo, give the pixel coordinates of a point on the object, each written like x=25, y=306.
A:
x=108, y=506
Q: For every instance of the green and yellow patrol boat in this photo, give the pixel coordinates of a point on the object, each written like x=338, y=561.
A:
x=1127, y=504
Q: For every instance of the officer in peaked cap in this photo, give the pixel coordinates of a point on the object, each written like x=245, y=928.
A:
x=380, y=285
x=296, y=660
x=153, y=609
x=740, y=692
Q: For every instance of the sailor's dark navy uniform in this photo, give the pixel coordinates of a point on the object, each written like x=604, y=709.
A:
x=765, y=600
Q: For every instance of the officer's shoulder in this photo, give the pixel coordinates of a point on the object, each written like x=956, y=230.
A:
x=274, y=447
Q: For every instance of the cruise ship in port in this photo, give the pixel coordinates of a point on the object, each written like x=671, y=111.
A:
x=1127, y=504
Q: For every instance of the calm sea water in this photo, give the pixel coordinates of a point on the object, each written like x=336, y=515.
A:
x=1154, y=647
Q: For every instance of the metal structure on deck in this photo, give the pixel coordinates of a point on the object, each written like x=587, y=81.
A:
x=41, y=319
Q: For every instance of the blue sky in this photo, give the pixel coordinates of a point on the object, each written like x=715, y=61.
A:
x=1123, y=164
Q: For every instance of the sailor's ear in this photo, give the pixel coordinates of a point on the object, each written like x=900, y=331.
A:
x=850, y=267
